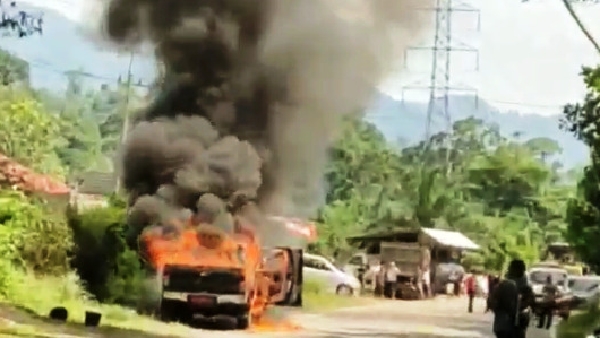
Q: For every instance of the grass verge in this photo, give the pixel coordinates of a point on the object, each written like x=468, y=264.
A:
x=27, y=301
x=316, y=298
x=581, y=323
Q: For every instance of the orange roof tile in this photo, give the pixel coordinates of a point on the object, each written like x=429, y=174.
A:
x=26, y=179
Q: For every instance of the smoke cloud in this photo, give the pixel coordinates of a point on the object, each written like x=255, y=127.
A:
x=253, y=94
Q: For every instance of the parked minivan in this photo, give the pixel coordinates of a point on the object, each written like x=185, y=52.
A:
x=335, y=280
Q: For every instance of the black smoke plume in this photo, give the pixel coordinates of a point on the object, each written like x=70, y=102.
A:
x=252, y=94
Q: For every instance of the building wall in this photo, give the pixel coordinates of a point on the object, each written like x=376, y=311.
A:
x=88, y=201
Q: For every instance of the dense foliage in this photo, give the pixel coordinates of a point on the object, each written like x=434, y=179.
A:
x=583, y=213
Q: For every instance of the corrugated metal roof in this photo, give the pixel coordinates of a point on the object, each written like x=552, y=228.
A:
x=451, y=238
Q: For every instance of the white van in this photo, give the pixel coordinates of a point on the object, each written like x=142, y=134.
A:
x=335, y=280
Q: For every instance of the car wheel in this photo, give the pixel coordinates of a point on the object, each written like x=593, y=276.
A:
x=343, y=290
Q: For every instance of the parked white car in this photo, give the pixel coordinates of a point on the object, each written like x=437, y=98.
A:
x=335, y=280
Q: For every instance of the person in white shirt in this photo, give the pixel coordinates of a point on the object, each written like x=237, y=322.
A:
x=391, y=276
x=425, y=282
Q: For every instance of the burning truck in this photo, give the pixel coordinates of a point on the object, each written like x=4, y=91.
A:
x=206, y=273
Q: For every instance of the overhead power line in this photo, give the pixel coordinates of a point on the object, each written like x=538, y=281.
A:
x=85, y=74
x=581, y=26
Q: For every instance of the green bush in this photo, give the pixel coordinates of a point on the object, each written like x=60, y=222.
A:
x=111, y=271
x=32, y=235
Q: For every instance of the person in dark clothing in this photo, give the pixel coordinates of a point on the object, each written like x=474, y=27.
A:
x=470, y=289
x=458, y=285
x=511, y=303
x=549, y=292
x=493, y=281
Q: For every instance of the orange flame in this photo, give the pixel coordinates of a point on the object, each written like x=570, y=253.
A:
x=202, y=246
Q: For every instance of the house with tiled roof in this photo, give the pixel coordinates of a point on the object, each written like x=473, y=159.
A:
x=19, y=177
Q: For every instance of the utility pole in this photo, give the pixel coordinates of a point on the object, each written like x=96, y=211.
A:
x=441, y=82
x=126, y=122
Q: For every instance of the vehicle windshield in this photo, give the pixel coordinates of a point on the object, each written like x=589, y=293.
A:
x=583, y=284
x=540, y=276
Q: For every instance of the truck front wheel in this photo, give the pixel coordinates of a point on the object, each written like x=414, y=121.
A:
x=170, y=311
x=243, y=322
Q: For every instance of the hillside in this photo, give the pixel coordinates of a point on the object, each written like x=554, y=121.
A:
x=404, y=123
x=63, y=48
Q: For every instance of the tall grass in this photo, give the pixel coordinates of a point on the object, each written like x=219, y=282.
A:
x=39, y=294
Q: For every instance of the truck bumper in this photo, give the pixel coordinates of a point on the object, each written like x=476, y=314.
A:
x=229, y=305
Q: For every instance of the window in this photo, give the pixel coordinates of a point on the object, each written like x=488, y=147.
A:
x=583, y=284
x=315, y=264
x=540, y=276
x=356, y=260
x=373, y=249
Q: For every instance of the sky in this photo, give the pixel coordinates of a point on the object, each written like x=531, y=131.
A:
x=530, y=53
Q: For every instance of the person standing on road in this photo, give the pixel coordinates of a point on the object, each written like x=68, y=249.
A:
x=391, y=279
x=470, y=289
x=380, y=279
x=458, y=283
x=511, y=303
x=549, y=292
x=493, y=282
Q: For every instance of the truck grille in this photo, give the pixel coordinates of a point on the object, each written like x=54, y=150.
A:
x=203, y=280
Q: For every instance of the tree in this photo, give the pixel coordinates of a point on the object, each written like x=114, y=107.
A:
x=498, y=190
x=583, y=212
x=28, y=134
x=92, y=120
x=13, y=69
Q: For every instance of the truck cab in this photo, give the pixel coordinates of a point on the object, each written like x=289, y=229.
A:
x=206, y=273
x=208, y=293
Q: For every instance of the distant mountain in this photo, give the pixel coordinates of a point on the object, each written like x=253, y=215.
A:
x=63, y=47
x=405, y=122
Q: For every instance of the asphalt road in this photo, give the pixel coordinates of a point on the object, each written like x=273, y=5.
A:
x=439, y=318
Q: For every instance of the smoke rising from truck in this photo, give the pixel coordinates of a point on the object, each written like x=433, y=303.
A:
x=253, y=94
